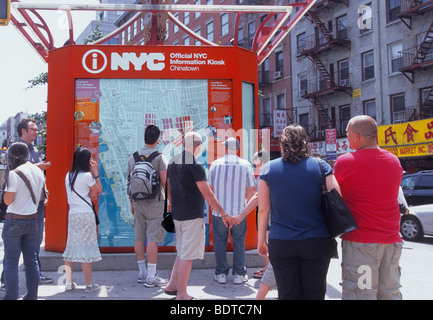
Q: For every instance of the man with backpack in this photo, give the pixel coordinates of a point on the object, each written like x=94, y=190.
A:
x=147, y=173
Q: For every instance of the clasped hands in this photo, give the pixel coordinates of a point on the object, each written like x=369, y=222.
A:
x=230, y=221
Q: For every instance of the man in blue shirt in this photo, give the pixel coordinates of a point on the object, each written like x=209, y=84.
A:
x=28, y=132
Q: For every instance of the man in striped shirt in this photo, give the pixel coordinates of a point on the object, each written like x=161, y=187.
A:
x=232, y=180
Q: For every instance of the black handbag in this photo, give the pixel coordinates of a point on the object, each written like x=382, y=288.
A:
x=337, y=215
x=167, y=219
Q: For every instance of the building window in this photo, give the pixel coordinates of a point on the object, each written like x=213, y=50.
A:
x=281, y=102
x=198, y=32
x=186, y=41
x=265, y=71
x=301, y=42
x=209, y=31
x=395, y=57
x=343, y=73
x=394, y=9
x=344, y=117
x=342, y=27
x=197, y=14
x=175, y=27
x=366, y=18
x=303, y=121
x=303, y=84
x=241, y=40
x=398, y=108
x=370, y=108
x=224, y=24
x=186, y=18
x=279, y=61
x=266, y=119
x=368, y=65
x=251, y=33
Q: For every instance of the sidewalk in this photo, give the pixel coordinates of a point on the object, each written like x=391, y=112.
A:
x=122, y=284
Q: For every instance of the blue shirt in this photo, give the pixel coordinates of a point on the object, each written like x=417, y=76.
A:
x=295, y=191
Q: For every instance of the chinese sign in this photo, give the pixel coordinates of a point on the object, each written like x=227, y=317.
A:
x=331, y=144
x=319, y=147
x=280, y=122
x=407, y=139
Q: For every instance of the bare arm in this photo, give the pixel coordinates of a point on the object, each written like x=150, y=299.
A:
x=264, y=209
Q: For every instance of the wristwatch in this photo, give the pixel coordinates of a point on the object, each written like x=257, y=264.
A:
x=243, y=212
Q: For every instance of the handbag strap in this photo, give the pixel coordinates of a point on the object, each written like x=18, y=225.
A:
x=324, y=187
x=82, y=198
x=27, y=182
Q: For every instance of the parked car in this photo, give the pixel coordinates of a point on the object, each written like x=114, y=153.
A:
x=418, y=223
x=418, y=188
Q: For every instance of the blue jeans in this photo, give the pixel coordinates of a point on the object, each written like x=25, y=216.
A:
x=20, y=236
x=221, y=233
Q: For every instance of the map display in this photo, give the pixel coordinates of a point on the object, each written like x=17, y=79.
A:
x=110, y=118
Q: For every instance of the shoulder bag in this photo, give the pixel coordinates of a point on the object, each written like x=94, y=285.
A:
x=3, y=206
x=337, y=215
x=91, y=204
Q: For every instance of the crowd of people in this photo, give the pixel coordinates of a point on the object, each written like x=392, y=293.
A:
x=286, y=198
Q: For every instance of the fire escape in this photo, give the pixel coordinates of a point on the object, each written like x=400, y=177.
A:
x=328, y=82
x=419, y=57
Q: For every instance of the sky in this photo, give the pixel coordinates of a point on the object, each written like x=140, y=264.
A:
x=19, y=62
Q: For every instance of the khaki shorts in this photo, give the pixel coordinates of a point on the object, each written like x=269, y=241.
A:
x=147, y=221
x=190, y=239
x=371, y=271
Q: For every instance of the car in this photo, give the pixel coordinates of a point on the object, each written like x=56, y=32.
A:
x=418, y=188
x=418, y=223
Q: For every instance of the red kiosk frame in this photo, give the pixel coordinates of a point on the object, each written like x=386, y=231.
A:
x=230, y=71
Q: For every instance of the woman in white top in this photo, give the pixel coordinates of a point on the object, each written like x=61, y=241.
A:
x=82, y=184
x=20, y=226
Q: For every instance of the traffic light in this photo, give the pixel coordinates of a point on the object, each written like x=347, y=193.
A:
x=5, y=12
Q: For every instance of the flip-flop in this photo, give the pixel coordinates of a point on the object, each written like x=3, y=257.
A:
x=258, y=275
x=259, y=272
x=171, y=293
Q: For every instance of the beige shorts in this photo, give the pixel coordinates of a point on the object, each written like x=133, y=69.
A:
x=371, y=271
x=147, y=221
x=190, y=239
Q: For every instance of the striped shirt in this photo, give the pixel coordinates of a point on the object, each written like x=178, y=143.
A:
x=230, y=177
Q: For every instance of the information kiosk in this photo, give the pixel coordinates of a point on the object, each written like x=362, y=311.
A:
x=102, y=98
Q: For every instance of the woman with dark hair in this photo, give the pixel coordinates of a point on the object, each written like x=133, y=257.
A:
x=299, y=244
x=82, y=184
x=23, y=190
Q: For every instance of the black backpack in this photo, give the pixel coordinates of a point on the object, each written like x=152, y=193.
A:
x=143, y=181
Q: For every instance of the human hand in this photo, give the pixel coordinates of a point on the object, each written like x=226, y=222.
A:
x=262, y=249
x=94, y=167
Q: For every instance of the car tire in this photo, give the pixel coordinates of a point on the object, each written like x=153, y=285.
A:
x=411, y=228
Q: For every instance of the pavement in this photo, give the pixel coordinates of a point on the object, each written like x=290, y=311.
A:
x=118, y=278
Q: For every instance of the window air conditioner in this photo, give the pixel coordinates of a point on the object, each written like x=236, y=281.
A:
x=278, y=74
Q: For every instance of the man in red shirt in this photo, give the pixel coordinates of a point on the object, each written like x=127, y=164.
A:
x=369, y=179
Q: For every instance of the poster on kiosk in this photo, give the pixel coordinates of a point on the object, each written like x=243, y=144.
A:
x=103, y=97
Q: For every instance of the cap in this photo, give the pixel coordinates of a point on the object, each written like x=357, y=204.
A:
x=232, y=144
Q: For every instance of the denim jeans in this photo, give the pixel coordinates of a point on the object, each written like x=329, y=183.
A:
x=20, y=236
x=221, y=233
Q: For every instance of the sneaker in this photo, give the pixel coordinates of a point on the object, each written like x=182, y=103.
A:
x=2, y=287
x=141, y=278
x=92, y=288
x=45, y=280
x=70, y=286
x=156, y=281
x=239, y=279
x=221, y=278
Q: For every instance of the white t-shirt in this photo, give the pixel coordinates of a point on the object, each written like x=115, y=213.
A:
x=23, y=203
x=82, y=185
